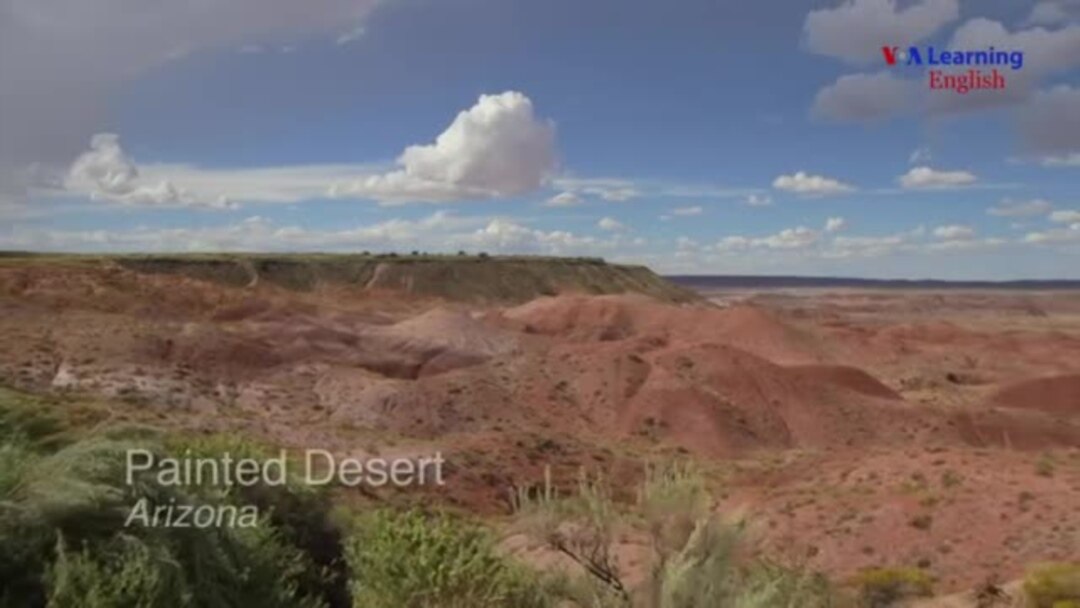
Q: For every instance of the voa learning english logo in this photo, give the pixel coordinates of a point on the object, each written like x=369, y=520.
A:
x=960, y=71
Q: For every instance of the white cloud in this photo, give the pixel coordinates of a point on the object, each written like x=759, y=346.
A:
x=1046, y=52
x=1054, y=12
x=1064, y=160
x=802, y=245
x=507, y=236
x=497, y=148
x=618, y=195
x=835, y=224
x=252, y=234
x=288, y=184
x=687, y=211
x=685, y=243
x=789, y=238
x=965, y=244
x=1010, y=208
x=866, y=97
x=105, y=172
x=758, y=200
x=251, y=49
x=1057, y=236
x=1065, y=216
x=593, y=185
x=810, y=185
x=564, y=199
x=440, y=231
x=855, y=30
x=865, y=246
x=611, y=189
x=1050, y=123
x=196, y=186
x=106, y=166
x=920, y=156
x=796, y=238
x=927, y=178
x=954, y=232
x=617, y=189
x=351, y=36
x=610, y=224
x=733, y=243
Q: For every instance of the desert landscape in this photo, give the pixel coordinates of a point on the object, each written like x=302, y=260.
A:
x=518, y=304
x=855, y=428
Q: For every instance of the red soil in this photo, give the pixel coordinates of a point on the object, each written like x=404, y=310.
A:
x=800, y=394
x=1053, y=394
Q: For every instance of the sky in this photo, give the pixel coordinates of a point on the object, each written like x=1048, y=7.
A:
x=693, y=136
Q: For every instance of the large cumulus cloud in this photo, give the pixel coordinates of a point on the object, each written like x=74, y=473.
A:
x=496, y=148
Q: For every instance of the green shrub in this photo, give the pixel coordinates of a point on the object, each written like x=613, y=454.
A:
x=703, y=572
x=413, y=560
x=1045, y=466
x=583, y=528
x=710, y=572
x=1053, y=585
x=129, y=573
x=951, y=479
x=63, y=539
x=768, y=585
x=672, y=500
x=77, y=498
x=698, y=558
x=883, y=587
x=25, y=419
x=299, y=512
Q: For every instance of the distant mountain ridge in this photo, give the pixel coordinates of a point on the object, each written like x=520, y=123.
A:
x=777, y=282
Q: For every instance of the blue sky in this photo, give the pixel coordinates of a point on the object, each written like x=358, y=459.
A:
x=695, y=137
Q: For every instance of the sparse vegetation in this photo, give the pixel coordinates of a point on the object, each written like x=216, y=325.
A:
x=884, y=587
x=1045, y=466
x=922, y=522
x=951, y=479
x=1054, y=585
x=581, y=528
x=697, y=557
x=414, y=560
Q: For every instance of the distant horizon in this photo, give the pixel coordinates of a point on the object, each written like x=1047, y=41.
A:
x=792, y=281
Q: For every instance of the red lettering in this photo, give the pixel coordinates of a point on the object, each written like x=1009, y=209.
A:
x=890, y=54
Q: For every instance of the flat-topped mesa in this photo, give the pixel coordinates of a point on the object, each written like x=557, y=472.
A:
x=454, y=277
